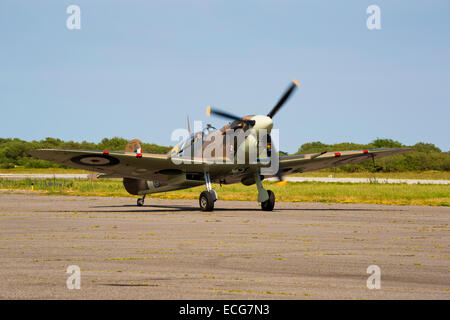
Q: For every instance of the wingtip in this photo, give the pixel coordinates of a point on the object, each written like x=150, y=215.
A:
x=295, y=82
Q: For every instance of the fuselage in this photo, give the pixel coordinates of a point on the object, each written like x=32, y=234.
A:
x=220, y=144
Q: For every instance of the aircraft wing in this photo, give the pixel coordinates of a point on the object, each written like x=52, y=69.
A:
x=161, y=167
x=114, y=164
x=317, y=161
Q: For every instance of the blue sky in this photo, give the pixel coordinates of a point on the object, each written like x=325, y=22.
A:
x=137, y=68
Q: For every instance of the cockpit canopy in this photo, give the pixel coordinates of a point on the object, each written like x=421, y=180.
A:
x=194, y=137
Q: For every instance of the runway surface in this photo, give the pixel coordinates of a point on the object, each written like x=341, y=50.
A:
x=84, y=176
x=168, y=249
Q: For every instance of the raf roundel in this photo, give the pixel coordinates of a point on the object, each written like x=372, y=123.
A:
x=95, y=160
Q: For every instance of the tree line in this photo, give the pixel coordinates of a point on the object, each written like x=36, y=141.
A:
x=14, y=152
x=424, y=157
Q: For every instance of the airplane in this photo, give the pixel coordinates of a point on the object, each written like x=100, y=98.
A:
x=182, y=167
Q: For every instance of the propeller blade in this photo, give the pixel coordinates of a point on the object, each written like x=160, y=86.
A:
x=281, y=182
x=283, y=99
x=227, y=115
x=189, y=125
x=222, y=114
x=274, y=152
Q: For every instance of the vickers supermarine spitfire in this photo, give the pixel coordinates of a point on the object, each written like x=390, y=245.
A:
x=183, y=167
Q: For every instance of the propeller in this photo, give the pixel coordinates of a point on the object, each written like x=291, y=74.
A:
x=227, y=115
x=271, y=114
x=283, y=99
x=279, y=174
x=189, y=125
x=281, y=182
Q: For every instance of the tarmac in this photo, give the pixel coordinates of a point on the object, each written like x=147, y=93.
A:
x=168, y=249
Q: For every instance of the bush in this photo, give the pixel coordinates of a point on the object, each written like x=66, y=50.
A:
x=14, y=152
x=425, y=156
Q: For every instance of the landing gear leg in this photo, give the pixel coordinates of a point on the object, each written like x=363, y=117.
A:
x=208, y=197
x=140, y=201
x=266, y=197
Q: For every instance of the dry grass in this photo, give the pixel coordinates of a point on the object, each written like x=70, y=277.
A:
x=377, y=193
x=429, y=175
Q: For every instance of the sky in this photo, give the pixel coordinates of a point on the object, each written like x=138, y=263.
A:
x=136, y=69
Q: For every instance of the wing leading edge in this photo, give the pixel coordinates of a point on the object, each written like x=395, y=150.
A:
x=133, y=165
x=161, y=167
x=317, y=161
x=114, y=164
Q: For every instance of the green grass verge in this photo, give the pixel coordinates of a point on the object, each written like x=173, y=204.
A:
x=43, y=170
x=429, y=175
x=377, y=193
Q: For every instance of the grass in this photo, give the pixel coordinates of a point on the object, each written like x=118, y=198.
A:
x=377, y=193
x=429, y=175
x=43, y=170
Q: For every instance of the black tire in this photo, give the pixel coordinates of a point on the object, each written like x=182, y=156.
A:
x=269, y=204
x=140, y=202
x=206, y=201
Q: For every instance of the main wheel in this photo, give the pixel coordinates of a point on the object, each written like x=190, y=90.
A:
x=270, y=203
x=206, y=201
x=140, y=202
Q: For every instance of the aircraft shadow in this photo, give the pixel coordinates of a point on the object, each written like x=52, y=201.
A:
x=175, y=208
x=128, y=285
x=144, y=283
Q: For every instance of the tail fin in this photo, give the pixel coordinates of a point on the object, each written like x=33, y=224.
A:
x=134, y=146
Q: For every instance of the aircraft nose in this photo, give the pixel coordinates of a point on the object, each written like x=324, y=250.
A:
x=263, y=122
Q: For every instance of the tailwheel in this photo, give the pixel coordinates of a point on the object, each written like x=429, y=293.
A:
x=206, y=201
x=270, y=203
x=140, y=201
